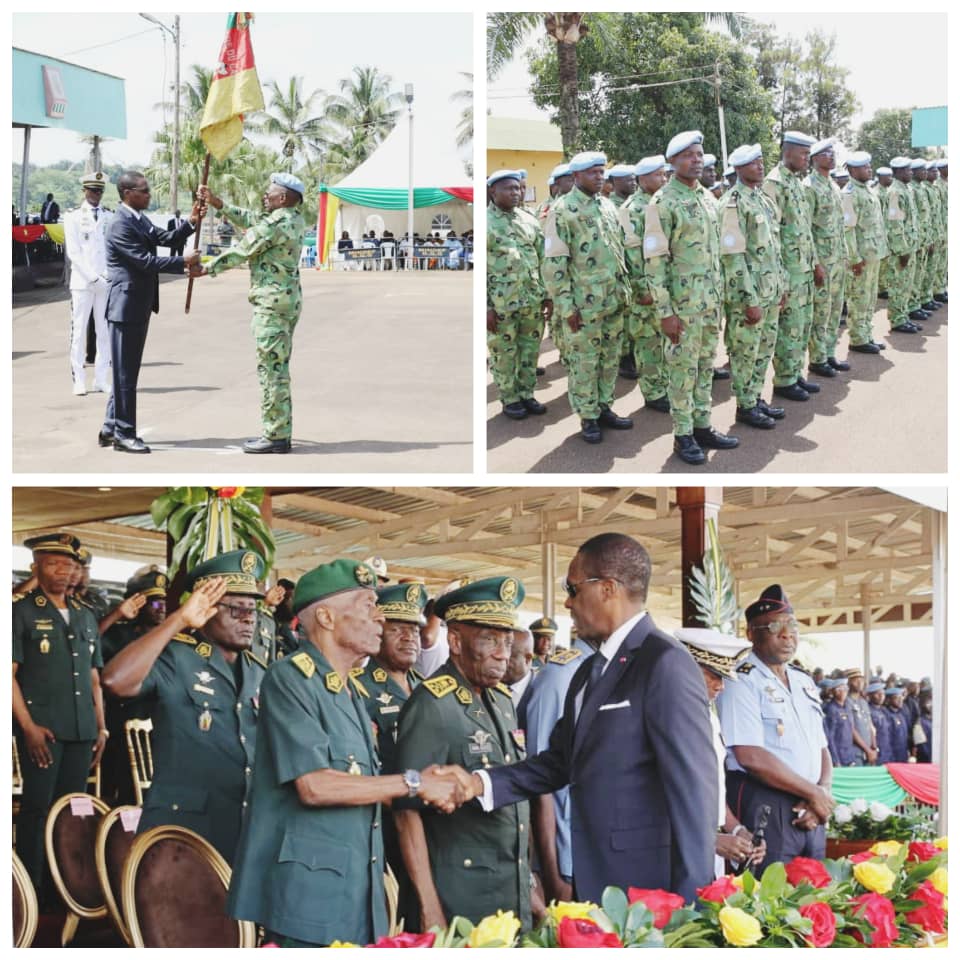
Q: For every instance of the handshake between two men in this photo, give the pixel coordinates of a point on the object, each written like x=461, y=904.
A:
x=446, y=787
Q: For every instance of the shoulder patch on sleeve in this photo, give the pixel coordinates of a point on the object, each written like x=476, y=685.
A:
x=185, y=638
x=252, y=656
x=441, y=686
x=732, y=240
x=359, y=687
x=655, y=243
x=304, y=663
x=745, y=667
x=631, y=238
x=565, y=656
x=553, y=246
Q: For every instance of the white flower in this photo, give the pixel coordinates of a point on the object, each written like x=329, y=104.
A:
x=858, y=806
x=842, y=814
x=879, y=811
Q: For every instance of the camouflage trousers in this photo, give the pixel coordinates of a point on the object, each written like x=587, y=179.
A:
x=514, y=349
x=557, y=327
x=900, y=288
x=273, y=335
x=940, y=284
x=793, y=331
x=827, y=305
x=886, y=271
x=592, y=360
x=645, y=339
x=919, y=258
x=750, y=349
x=688, y=366
x=930, y=281
x=861, y=302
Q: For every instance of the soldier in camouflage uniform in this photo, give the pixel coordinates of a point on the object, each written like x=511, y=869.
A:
x=884, y=179
x=682, y=249
x=901, y=239
x=784, y=186
x=624, y=182
x=754, y=284
x=866, y=249
x=272, y=248
x=829, y=244
x=940, y=185
x=517, y=304
x=936, y=234
x=642, y=328
x=560, y=182
x=586, y=277
x=925, y=238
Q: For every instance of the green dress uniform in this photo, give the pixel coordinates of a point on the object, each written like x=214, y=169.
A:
x=271, y=246
x=314, y=874
x=383, y=699
x=829, y=243
x=204, y=736
x=901, y=239
x=479, y=860
x=516, y=293
x=265, y=634
x=866, y=244
x=55, y=661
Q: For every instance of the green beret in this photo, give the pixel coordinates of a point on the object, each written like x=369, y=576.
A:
x=543, y=625
x=241, y=569
x=331, y=578
x=54, y=543
x=492, y=602
x=151, y=583
x=403, y=601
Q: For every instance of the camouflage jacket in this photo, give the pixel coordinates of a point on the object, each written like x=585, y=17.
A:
x=632, y=216
x=826, y=218
x=271, y=246
x=900, y=219
x=514, y=259
x=866, y=234
x=786, y=190
x=925, y=226
x=685, y=278
x=583, y=253
x=753, y=274
x=936, y=211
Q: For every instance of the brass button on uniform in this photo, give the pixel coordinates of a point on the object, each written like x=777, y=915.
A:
x=468, y=862
x=175, y=806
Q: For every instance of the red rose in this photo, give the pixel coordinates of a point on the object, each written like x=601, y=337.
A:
x=931, y=915
x=718, y=891
x=824, y=923
x=861, y=857
x=922, y=852
x=226, y=493
x=584, y=933
x=661, y=903
x=806, y=870
x=877, y=910
x=407, y=940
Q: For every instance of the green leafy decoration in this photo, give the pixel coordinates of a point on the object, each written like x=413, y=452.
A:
x=713, y=588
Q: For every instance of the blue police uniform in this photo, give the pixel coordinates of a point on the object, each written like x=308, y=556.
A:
x=787, y=721
x=898, y=735
x=925, y=750
x=881, y=723
x=860, y=711
x=839, y=726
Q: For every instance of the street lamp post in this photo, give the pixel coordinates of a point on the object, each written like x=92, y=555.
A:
x=174, y=32
x=408, y=93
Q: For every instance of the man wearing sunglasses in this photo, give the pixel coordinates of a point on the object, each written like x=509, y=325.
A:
x=772, y=724
x=203, y=683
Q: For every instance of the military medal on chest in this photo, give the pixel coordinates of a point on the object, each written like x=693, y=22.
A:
x=45, y=645
x=354, y=769
x=205, y=721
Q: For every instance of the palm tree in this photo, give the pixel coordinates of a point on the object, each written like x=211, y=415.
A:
x=367, y=109
x=301, y=123
x=736, y=23
x=465, y=126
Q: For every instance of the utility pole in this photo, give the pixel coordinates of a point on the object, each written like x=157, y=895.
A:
x=174, y=32
x=408, y=94
x=723, y=129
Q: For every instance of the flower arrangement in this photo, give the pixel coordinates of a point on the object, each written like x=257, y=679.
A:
x=860, y=820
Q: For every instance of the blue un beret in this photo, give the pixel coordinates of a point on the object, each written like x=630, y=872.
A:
x=289, y=182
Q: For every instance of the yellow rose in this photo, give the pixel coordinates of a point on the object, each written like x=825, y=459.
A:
x=739, y=928
x=938, y=880
x=877, y=877
x=737, y=881
x=502, y=927
x=557, y=911
x=343, y=943
x=886, y=848
x=941, y=843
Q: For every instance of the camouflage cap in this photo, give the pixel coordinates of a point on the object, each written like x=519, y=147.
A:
x=403, y=601
x=492, y=602
x=332, y=578
x=241, y=569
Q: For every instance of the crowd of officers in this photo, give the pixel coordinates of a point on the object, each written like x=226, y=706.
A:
x=869, y=724
x=637, y=269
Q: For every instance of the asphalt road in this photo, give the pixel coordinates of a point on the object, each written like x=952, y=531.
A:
x=379, y=368
x=887, y=415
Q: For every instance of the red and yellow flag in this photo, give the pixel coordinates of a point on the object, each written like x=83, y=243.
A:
x=234, y=89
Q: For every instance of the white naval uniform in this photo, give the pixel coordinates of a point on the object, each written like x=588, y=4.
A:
x=83, y=235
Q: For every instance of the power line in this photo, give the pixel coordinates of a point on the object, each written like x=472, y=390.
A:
x=551, y=87
x=109, y=43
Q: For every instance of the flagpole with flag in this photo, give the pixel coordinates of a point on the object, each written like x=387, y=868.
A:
x=234, y=91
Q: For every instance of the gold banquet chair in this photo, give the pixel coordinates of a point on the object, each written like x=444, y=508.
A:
x=392, y=889
x=175, y=893
x=70, y=839
x=17, y=786
x=115, y=837
x=26, y=912
x=141, y=757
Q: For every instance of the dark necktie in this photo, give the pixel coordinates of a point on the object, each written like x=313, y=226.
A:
x=96, y=213
x=597, y=663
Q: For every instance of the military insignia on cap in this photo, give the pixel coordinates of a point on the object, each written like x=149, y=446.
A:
x=65, y=538
x=441, y=686
x=333, y=682
x=508, y=590
x=161, y=580
x=204, y=650
x=248, y=562
x=464, y=696
x=365, y=576
x=413, y=593
x=304, y=663
x=380, y=675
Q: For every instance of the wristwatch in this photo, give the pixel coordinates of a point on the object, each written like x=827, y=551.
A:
x=412, y=779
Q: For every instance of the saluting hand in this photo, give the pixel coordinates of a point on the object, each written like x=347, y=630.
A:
x=202, y=603
x=274, y=595
x=132, y=606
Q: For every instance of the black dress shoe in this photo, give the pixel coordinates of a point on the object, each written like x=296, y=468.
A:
x=105, y=439
x=918, y=315
x=533, y=406
x=515, y=410
x=838, y=364
x=865, y=347
x=708, y=437
x=883, y=295
x=940, y=297
x=661, y=404
x=792, y=392
x=541, y=371
x=776, y=413
x=821, y=370
x=590, y=431
x=628, y=367
x=266, y=445
x=931, y=305
x=688, y=450
x=882, y=346
x=808, y=386
x=721, y=373
x=130, y=445
x=755, y=417
x=609, y=419
x=905, y=328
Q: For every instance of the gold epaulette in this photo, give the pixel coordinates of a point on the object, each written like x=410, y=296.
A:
x=18, y=596
x=359, y=687
x=441, y=686
x=504, y=689
x=305, y=664
x=564, y=657
x=745, y=667
x=185, y=638
x=356, y=671
x=252, y=656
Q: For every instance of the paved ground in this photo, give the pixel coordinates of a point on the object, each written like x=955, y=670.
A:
x=888, y=414
x=381, y=364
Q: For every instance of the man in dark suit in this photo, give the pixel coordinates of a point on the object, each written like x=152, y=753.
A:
x=634, y=743
x=133, y=270
x=50, y=212
x=173, y=225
